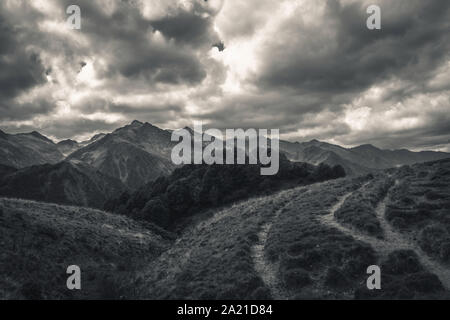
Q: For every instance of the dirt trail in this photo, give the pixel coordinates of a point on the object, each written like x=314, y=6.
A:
x=265, y=268
x=392, y=240
x=268, y=270
x=396, y=238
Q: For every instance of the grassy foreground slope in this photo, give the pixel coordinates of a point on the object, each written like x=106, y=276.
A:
x=39, y=241
x=215, y=259
x=310, y=242
x=316, y=255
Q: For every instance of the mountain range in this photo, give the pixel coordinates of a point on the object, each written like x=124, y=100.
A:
x=27, y=149
x=358, y=160
x=90, y=172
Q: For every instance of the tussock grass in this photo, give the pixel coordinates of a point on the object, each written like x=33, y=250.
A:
x=358, y=211
x=335, y=263
x=420, y=206
x=212, y=259
x=405, y=278
x=39, y=241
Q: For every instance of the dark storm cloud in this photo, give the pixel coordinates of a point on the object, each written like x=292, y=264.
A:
x=147, y=109
x=20, y=69
x=312, y=73
x=129, y=52
x=127, y=39
x=27, y=110
x=412, y=43
x=186, y=27
x=68, y=129
x=269, y=110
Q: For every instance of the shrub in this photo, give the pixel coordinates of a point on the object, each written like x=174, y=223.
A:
x=402, y=262
x=335, y=278
x=432, y=237
x=296, y=278
x=111, y=288
x=261, y=293
x=423, y=282
x=444, y=252
x=32, y=291
x=156, y=211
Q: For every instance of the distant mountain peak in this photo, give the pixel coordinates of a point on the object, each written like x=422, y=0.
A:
x=40, y=136
x=136, y=123
x=367, y=147
x=67, y=142
x=149, y=125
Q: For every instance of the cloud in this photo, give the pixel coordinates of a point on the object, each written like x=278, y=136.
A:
x=21, y=67
x=310, y=68
x=319, y=59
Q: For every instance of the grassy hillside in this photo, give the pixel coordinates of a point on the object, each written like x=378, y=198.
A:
x=294, y=245
x=420, y=207
x=309, y=242
x=359, y=209
x=39, y=241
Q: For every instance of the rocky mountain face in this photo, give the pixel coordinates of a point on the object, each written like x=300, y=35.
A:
x=358, y=160
x=67, y=147
x=134, y=154
x=62, y=183
x=27, y=149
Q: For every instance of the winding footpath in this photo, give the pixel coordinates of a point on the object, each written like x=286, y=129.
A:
x=265, y=268
x=392, y=240
x=268, y=270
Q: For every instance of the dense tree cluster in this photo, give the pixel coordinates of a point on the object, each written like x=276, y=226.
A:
x=193, y=188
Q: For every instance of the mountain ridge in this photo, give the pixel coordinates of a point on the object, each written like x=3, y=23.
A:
x=63, y=183
x=356, y=160
x=140, y=152
x=135, y=154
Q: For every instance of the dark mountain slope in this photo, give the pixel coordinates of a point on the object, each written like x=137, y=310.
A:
x=67, y=147
x=135, y=154
x=27, y=149
x=4, y=170
x=63, y=183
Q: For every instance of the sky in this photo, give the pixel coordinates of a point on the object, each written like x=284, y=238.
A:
x=310, y=68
